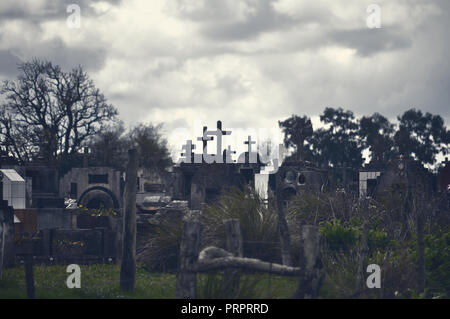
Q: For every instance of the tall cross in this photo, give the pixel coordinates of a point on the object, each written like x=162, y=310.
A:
x=219, y=127
x=249, y=142
x=218, y=157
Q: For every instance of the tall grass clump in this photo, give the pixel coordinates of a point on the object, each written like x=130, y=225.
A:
x=258, y=223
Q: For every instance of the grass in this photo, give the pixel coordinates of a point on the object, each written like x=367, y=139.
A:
x=102, y=281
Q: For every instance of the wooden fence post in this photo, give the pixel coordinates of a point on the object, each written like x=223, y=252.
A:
x=2, y=245
x=231, y=277
x=186, y=286
x=283, y=229
x=421, y=252
x=311, y=267
x=128, y=264
x=29, y=276
x=364, y=249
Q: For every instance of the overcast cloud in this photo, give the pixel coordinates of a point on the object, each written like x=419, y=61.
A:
x=249, y=63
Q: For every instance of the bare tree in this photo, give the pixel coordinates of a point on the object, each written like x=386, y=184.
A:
x=52, y=109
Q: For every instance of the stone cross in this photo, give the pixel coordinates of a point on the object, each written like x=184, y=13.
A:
x=251, y=156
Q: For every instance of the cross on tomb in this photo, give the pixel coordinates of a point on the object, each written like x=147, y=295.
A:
x=251, y=156
x=188, y=154
x=205, y=139
x=249, y=142
x=218, y=156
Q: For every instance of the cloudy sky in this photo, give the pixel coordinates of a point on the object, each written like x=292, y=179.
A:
x=248, y=62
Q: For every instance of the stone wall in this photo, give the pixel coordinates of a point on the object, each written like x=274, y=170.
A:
x=56, y=218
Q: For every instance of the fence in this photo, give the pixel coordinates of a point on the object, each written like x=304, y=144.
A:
x=192, y=261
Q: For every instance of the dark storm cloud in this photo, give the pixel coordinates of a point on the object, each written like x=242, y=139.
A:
x=91, y=57
x=372, y=41
x=8, y=63
x=264, y=19
x=219, y=21
x=51, y=10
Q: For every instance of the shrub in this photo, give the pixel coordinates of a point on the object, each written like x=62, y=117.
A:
x=377, y=240
x=339, y=237
x=437, y=261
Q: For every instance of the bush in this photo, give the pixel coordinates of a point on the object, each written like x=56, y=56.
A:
x=339, y=237
x=437, y=262
x=377, y=240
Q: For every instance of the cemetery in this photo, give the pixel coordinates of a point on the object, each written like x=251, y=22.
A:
x=94, y=216
x=193, y=149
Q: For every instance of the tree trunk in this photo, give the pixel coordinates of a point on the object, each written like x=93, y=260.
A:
x=213, y=258
x=128, y=265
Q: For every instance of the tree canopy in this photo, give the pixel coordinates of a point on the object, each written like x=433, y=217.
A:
x=110, y=147
x=297, y=130
x=50, y=111
x=422, y=136
x=337, y=144
x=343, y=137
x=377, y=134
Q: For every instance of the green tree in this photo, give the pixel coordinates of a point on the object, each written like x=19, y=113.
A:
x=297, y=130
x=109, y=147
x=338, y=143
x=376, y=133
x=151, y=146
x=422, y=136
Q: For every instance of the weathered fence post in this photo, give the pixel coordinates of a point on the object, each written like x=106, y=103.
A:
x=186, y=286
x=118, y=239
x=421, y=252
x=29, y=276
x=311, y=268
x=364, y=249
x=231, y=277
x=285, y=238
x=128, y=264
x=2, y=244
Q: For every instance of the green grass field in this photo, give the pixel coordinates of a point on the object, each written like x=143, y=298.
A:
x=102, y=281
